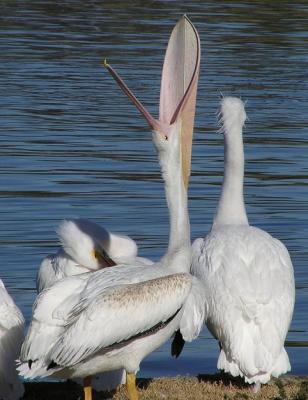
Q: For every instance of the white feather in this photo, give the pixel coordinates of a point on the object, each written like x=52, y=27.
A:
x=56, y=267
x=48, y=321
x=248, y=274
x=93, y=320
x=110, y=310
x=11, y=336
x=79, y=237
x=194, y=312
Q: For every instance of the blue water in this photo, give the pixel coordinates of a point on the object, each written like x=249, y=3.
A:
x=73, y=146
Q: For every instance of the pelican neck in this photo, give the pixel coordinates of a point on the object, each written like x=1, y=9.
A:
x=231, y=207
x=178, y=254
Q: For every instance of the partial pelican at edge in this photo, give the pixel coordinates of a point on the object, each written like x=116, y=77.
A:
x=11, y=337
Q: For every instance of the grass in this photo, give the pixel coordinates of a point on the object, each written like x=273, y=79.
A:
x=212, y=387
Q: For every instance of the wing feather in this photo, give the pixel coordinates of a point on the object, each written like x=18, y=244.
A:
x=99, y=323
x=50, y=310
x=194, y=311
x=53, y=306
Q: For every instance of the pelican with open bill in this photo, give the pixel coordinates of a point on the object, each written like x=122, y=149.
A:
x=177, y=98
x=115, y=317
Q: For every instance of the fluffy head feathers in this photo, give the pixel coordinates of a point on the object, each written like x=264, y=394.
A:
x=81, y=239
x=232, y=114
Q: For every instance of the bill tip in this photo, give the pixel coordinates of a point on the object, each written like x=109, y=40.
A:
x=105, y=63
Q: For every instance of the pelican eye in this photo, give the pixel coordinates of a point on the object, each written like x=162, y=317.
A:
x=95, y=254
x=101, y=255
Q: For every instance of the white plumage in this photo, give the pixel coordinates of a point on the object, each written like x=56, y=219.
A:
x=86, y=247
x=63, y=312
x=82, y=243
x=248, y=274
x=11, y=336
x=75, y=301
x=114, y=317
x=85, y=318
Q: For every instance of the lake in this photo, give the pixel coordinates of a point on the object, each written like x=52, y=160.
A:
x=73, y=146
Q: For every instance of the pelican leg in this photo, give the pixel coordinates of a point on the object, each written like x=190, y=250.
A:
x=87, y=388
x=256, y=387
x=131, y=386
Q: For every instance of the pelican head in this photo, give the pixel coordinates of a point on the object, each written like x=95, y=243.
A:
x=232, y=115
x=92, y=246
x=177, y=95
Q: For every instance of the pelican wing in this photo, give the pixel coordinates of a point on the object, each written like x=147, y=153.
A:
x=194, y=311
x=53, y=307
x=121, y=274
x=119, y=314
x=50, y=311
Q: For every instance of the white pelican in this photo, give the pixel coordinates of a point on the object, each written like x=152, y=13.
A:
x=11, y=337
x=248, y=274
x=86, y=247
x=114, y=317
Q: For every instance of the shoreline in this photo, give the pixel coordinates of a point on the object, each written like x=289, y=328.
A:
x=212, y=387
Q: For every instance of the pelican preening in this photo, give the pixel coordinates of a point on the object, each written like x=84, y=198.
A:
x=86, y=247
x=11, y=337
x=247, y=273
x=112, y=318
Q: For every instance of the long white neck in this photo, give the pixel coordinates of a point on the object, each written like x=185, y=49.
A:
x=231, y=207
x=178, y=255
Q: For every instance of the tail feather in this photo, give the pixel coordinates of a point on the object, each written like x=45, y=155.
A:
x=38, y=340
x=281, y=366
x=38, y=369
x=228, y=366
x=25, y=371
